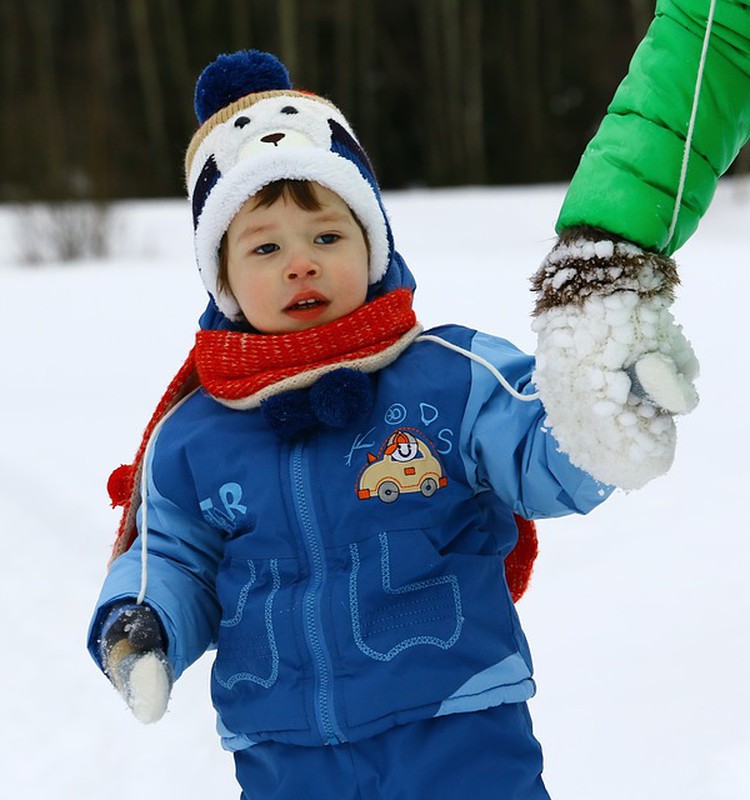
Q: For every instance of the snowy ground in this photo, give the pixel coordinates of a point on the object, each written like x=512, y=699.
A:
x=637, y=615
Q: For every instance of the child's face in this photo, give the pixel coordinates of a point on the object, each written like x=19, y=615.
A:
x=290, y=269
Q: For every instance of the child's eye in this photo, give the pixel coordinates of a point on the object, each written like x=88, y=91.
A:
x=327, y=238
x=266, y=249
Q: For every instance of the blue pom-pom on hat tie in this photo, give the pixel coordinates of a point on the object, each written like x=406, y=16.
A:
x=289, y=413
x=235, y=75
x=336, y=400
x=341, y=397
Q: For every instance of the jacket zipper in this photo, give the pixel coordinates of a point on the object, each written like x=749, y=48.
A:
x=311, y=605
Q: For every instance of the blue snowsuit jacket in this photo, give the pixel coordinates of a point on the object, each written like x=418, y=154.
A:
x=353, y=579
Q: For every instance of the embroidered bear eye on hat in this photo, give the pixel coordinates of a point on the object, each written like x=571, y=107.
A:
x=255, y=129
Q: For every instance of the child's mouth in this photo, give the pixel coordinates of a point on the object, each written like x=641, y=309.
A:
x=307, y=307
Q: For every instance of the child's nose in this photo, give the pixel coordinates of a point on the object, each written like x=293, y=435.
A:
x=301, y=266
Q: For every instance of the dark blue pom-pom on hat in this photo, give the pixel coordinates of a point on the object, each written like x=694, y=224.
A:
x=235, y=75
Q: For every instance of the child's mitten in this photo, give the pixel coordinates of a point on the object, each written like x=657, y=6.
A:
x=612, y=368
x=132, y=648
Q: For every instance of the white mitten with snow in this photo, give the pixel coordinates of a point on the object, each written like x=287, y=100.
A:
x=613, y=367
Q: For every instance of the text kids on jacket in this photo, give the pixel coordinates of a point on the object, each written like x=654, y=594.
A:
x=331, y=497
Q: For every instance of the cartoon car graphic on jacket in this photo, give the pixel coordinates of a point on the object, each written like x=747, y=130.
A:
x=406, y=464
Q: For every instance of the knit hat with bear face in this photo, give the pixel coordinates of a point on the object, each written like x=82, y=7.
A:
x=255, y=129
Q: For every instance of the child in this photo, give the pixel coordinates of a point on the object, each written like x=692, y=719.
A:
x=327, y=495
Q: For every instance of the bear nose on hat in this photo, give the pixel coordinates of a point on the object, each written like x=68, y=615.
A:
x=273, y=138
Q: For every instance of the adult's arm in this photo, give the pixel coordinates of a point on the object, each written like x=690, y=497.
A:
x=628, y=177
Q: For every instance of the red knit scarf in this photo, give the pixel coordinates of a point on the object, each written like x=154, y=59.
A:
x=241, y=370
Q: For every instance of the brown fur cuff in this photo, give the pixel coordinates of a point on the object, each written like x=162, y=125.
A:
x=588, y=261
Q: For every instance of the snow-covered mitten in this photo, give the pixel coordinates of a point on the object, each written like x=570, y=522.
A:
x=132, y=648
x=612, y=366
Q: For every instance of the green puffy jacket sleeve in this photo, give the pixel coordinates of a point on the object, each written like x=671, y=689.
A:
x=628, y=177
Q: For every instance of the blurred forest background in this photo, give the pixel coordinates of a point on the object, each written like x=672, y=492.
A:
x=96, y=95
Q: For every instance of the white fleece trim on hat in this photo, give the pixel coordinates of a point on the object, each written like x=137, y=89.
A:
x=322, y=166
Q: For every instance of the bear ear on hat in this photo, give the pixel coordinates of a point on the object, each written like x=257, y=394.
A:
x=232, y=76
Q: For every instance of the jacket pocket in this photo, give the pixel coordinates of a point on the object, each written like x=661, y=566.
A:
x=400, y=597
x=248, y=635
x=258, y=682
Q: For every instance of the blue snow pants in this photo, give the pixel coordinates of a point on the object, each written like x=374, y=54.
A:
x=483, y=755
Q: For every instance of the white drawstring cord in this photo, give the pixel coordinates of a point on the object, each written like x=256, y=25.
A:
x=501, y=379
x=144, y=498
x=691, y=124
x=144, y=523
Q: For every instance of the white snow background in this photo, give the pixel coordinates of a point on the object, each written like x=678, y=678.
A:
x=637, y=614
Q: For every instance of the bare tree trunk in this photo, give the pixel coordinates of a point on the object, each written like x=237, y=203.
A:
x=476, y=166
x=53, y=143
x=11, y=141
x=101, y=90
x=506, y=107
x=453, y=84
x=151, y=90
x=307, y=71
x=344, y=55
x=641, y=12
x=742, y=162
x=534, y=139
x=366, y=34
x=241, y=29
x=437, y=146
x=288, y=28
x=177, y=58
x=553, y=44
